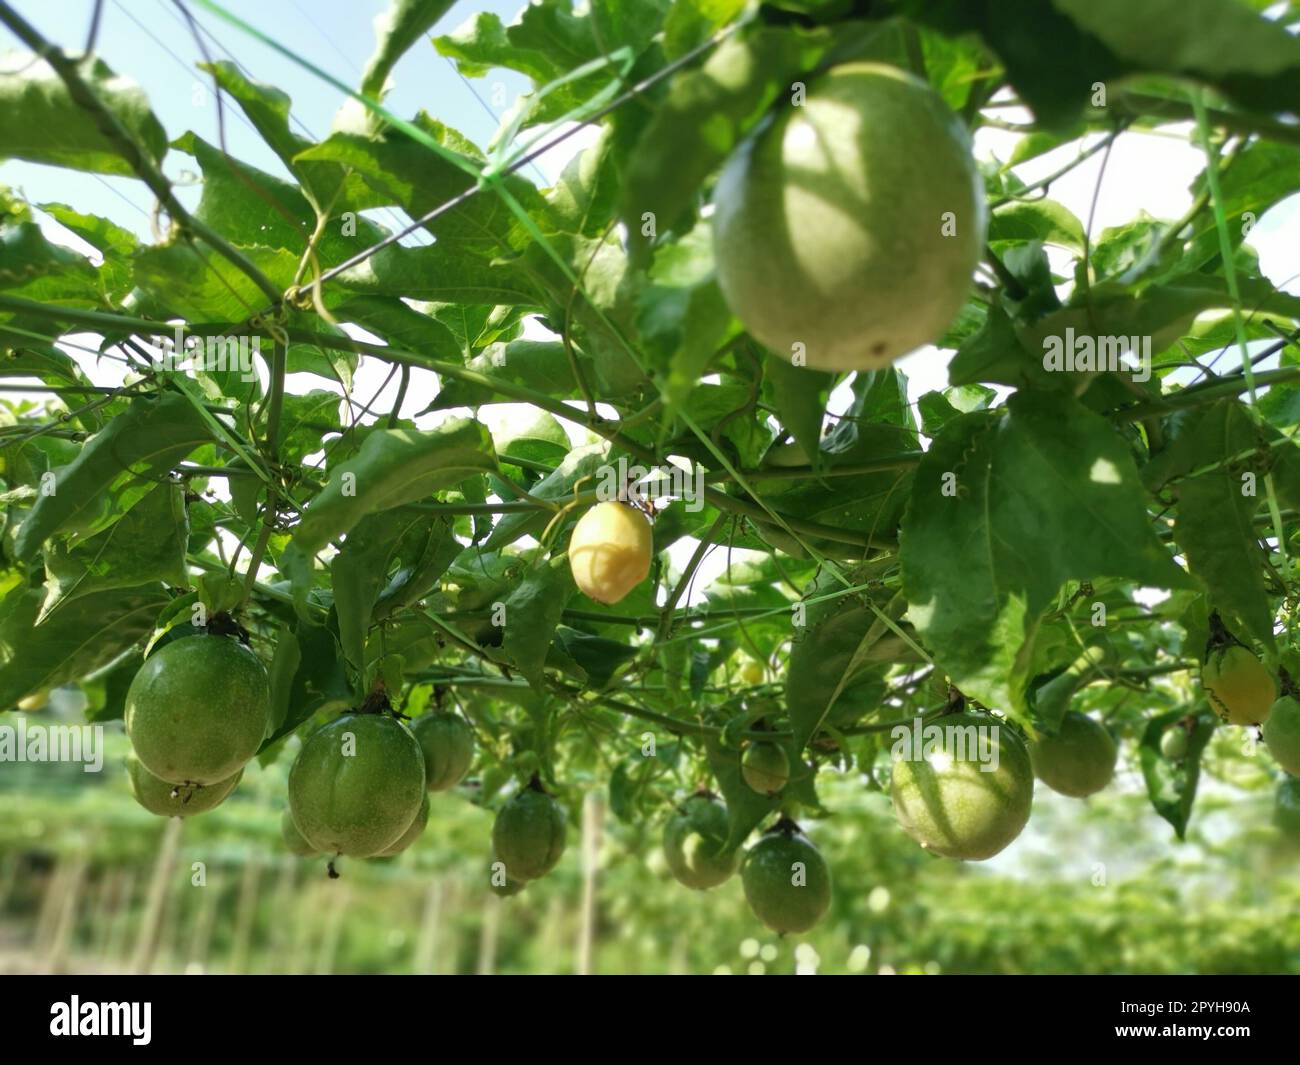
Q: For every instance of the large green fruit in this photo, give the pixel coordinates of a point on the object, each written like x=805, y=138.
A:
x=1282, y=733
x=197, y=709
x=447, y=743
x=1079, y=760
x=695, y=840
x=293, y=839
x=528, y=834
x=786, y=881
x=1286, y=807
x=1240, y=688
x=412, y=833
x=851, y=224
x=176, y=800
x=952, y=800
x=765, y=767
x=356, y=785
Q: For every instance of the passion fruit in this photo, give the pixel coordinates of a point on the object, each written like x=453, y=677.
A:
x=787, y=882
x=695, y=844
x=1282, y=733
x=500, y=884
x=610, y=551
x=198, y=709
x=765, y=767
x=1079, y=760
x=969, y=793
x=1175, y=743
x=848, y=228
x=1241, y=690
x=176, y=800
x=529, y=834
x=447, y=744
x=412, y=833
x=356, y=785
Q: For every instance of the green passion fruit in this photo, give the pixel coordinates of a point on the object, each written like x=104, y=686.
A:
x=198, y=709
x=1174, y=743
x=293, y=839
x=765, y=767
x=413, y=831
x=847, y=228
x=447, y=743
x=1282, y=733
x=529, y=834
x=176, y=800
x=1240, y=688
x=965, y=789
x=501, y=884
x=610, y=551
x=695, y=841
x=1079, y=760
x=786, y=880
x=357, y=784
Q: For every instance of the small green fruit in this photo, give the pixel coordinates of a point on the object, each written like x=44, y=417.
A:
x=197, y=709
x=1241, y=690
x=1079, y=760
x=528, y=834
x=447, y=743
x=1174, y=743
x=500, y=884
x=357, y=784
x=765, y=767
x=412, y=832
x=176, y=800
x=293, y=839
x=971, y=796
x=786, y=881
x=695, y=840
x=1282, y=734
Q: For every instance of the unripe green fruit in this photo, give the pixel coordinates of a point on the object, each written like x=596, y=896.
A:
x=198, y=709
x=765, y=767
x=528, y=834
x=356, y=785
x=1282, y=734
x=848, y=228
x=695, y=840
x=786, y=882
x=1286, y=807
x=447, y=744
x=610, y=551
x=176, y=800
x=951, y=805
x=293, y=839
x=412, y=832
x=1079, y=760
x=500, y=884
x=1240, y=688
x=1174, y=743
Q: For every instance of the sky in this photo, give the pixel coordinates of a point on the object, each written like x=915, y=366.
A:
x=149, y=41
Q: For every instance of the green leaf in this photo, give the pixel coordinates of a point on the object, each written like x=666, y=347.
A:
x=117, y=466
x=1172, y=786
x=599, y=658
x=319, y=683
x=1215, y=526
x=394, y=467
x=396, y=30
x=71, y=644
x=40, y=122
x=147, y=544
x=1042, y=220
x=532, y=611
x=799, y=395
x=1004, y=510
x=541, y=365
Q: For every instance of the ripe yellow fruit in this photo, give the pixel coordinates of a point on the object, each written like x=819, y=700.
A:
x=610, y=551
x=1240, y=688
x=847, y=230
x=752, y=673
